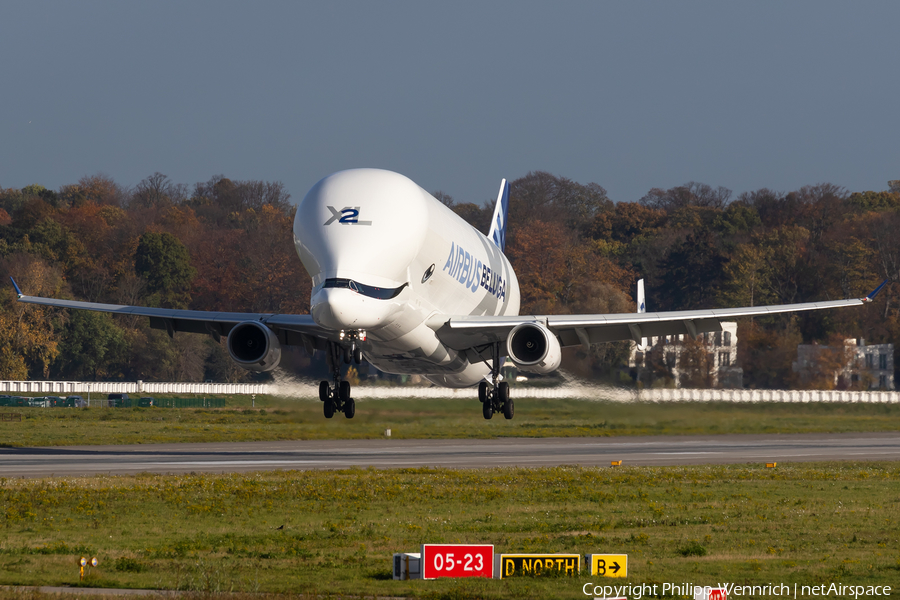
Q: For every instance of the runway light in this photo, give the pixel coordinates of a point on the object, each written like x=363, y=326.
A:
x=84, y=562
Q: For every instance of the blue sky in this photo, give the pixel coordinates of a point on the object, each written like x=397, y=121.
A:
x=630, y=95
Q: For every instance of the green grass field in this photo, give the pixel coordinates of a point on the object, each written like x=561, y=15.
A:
x=331, y=533
x=281, y=419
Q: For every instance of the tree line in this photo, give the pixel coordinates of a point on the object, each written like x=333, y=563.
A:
x=576, y=251
x=227, y=245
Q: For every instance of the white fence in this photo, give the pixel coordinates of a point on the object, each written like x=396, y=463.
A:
x=67, y=388
x=582, y=392
x=765, y=396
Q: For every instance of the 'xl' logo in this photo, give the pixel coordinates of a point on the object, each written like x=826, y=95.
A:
x=346, y=216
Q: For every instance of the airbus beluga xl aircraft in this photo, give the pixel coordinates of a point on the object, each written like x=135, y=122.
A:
x=400, y=279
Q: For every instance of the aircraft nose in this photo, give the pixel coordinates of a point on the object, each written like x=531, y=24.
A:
x=343, y=309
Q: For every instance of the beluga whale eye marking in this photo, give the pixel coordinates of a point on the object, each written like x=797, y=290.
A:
x=428, y=273
x=349, y=215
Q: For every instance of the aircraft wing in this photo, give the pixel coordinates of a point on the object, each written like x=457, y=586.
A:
x=474, y=332
x=291, y=329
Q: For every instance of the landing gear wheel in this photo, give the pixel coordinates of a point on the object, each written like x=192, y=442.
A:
x=509, y=409
x=357, y=355
x=487, y=409
x=329, y=408
x=324, y=391
x=344, y=394
x=347, y=353
x=350, y=408
x=483, y=392
x=502, y=393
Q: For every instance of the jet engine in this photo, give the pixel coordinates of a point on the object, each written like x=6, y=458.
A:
x=533, y=347
x=254, y=346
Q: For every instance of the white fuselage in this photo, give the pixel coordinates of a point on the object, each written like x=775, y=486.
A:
x=386, y=257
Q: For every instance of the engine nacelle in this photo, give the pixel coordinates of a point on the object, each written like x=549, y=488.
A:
x=532, y=347
x=254, y=346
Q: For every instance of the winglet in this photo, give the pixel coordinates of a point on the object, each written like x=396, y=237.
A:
x=874, y=292
x=18, y=291
x=641, y=302
x=498, y=222
x=641, y=309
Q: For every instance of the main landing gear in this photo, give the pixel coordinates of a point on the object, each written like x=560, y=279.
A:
x=337, y=398
x=494, y=396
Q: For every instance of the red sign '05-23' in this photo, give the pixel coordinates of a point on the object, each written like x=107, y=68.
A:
x=457, y=560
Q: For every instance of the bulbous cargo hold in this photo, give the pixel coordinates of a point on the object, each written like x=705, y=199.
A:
x=363, y=225
x=254, y=346
x=533, y=347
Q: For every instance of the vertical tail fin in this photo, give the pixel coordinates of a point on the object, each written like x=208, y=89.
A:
x=498, y=222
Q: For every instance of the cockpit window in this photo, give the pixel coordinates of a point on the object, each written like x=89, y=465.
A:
x=371, y=291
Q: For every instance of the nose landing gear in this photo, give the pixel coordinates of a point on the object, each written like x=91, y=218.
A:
x=494, y=397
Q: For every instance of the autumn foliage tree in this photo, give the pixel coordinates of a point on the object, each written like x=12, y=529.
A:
x=226, y=244
x=30, y=337
x=163, y=262
x=157, y=245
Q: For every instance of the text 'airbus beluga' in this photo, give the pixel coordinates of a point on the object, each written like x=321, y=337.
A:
x=401, y=280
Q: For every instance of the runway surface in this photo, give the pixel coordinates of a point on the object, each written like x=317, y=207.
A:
x=387, y=453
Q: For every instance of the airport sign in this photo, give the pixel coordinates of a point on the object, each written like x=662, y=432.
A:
x=608, y=565
x=710, y=593
x=512, y=565
x=457, y=560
